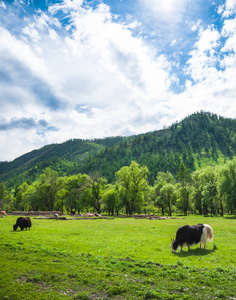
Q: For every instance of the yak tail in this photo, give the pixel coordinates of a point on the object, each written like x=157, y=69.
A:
x=209, y=232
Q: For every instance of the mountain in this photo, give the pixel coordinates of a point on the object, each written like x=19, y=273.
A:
x=199, y=140
x=67, y=157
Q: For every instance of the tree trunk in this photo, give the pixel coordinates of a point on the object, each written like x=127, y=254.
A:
x=162, y=210
x=221, y=209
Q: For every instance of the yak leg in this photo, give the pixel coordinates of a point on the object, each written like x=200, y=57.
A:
x=201, y=246
x=188, y=248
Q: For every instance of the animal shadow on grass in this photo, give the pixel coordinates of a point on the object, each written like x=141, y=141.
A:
x=194, y=252
x=19, y=230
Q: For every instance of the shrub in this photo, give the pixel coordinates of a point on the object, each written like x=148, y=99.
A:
x=151, y=294
x=82, y=296
x=116, y=290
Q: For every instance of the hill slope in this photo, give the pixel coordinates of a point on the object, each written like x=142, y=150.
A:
x=199, y=140
x=70, y=155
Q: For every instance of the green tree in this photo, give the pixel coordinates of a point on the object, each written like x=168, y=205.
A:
x=111, y=200
x=167, y=194
x=227, y=185
x=74, y=186
x=209, y=190
x=149, y=204
x=161, y=180
x=95, y=185
x=6, y=198
x=183, y=174
x=21, y=202
x=30, y=197
x=196, y=193
x=205, y=190
x=60, y=195
x=47, y=188
x=133, y=183
x=183, y=199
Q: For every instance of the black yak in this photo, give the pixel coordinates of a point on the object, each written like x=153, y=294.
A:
x=23, y=223
x=191, y=235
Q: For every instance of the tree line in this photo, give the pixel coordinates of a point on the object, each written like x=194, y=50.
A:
x=210, y=190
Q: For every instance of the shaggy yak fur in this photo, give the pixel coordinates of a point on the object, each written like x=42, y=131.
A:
x=22, y=222
x=191, y=235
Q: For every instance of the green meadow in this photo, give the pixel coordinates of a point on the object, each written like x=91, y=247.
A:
x=121, y=258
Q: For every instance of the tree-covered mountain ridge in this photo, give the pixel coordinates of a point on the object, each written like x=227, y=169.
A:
x=67, y=156
x=199, y=140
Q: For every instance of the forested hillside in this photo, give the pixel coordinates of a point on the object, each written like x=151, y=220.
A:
x=66, y=158
x=199, y=140
x=188, y=167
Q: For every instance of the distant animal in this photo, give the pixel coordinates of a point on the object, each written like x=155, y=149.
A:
x=191, y=235
x=56, y=216
x=23, y=223
x=3, y=213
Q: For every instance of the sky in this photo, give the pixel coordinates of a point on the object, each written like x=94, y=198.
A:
x=101, y=68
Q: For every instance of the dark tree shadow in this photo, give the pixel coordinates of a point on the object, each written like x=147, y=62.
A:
x=230, y=217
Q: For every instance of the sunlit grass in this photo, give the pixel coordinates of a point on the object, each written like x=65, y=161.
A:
x=76, y=259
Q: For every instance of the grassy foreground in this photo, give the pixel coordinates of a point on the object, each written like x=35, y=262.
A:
x=120, y=258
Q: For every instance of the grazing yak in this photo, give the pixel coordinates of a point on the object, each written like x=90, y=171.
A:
x=3, y=213
x=191, y=235
x=23, y=223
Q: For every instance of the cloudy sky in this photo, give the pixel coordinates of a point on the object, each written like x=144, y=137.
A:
x=97, y=68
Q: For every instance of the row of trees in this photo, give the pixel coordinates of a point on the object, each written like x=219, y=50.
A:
x=209, y=190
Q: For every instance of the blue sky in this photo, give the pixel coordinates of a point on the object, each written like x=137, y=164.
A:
x=97, y=68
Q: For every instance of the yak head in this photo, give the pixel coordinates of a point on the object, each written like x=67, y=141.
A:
x=173, y=245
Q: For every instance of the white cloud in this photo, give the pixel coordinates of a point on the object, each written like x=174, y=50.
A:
x=32, y=33
x=97, y=63
x=21, y=52
x=230, y=8
x=102, y=49
x=166, y=7
x=93, y=77
x=165, y=11
x=196, y=26
x=212, y=66
x=203, y=57
x=3, y=5
x=229, y=27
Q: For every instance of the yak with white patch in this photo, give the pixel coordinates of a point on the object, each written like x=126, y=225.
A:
x=23, y=223
x=192, y=235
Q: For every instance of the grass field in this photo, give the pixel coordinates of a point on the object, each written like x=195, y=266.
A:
x=121, y=258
